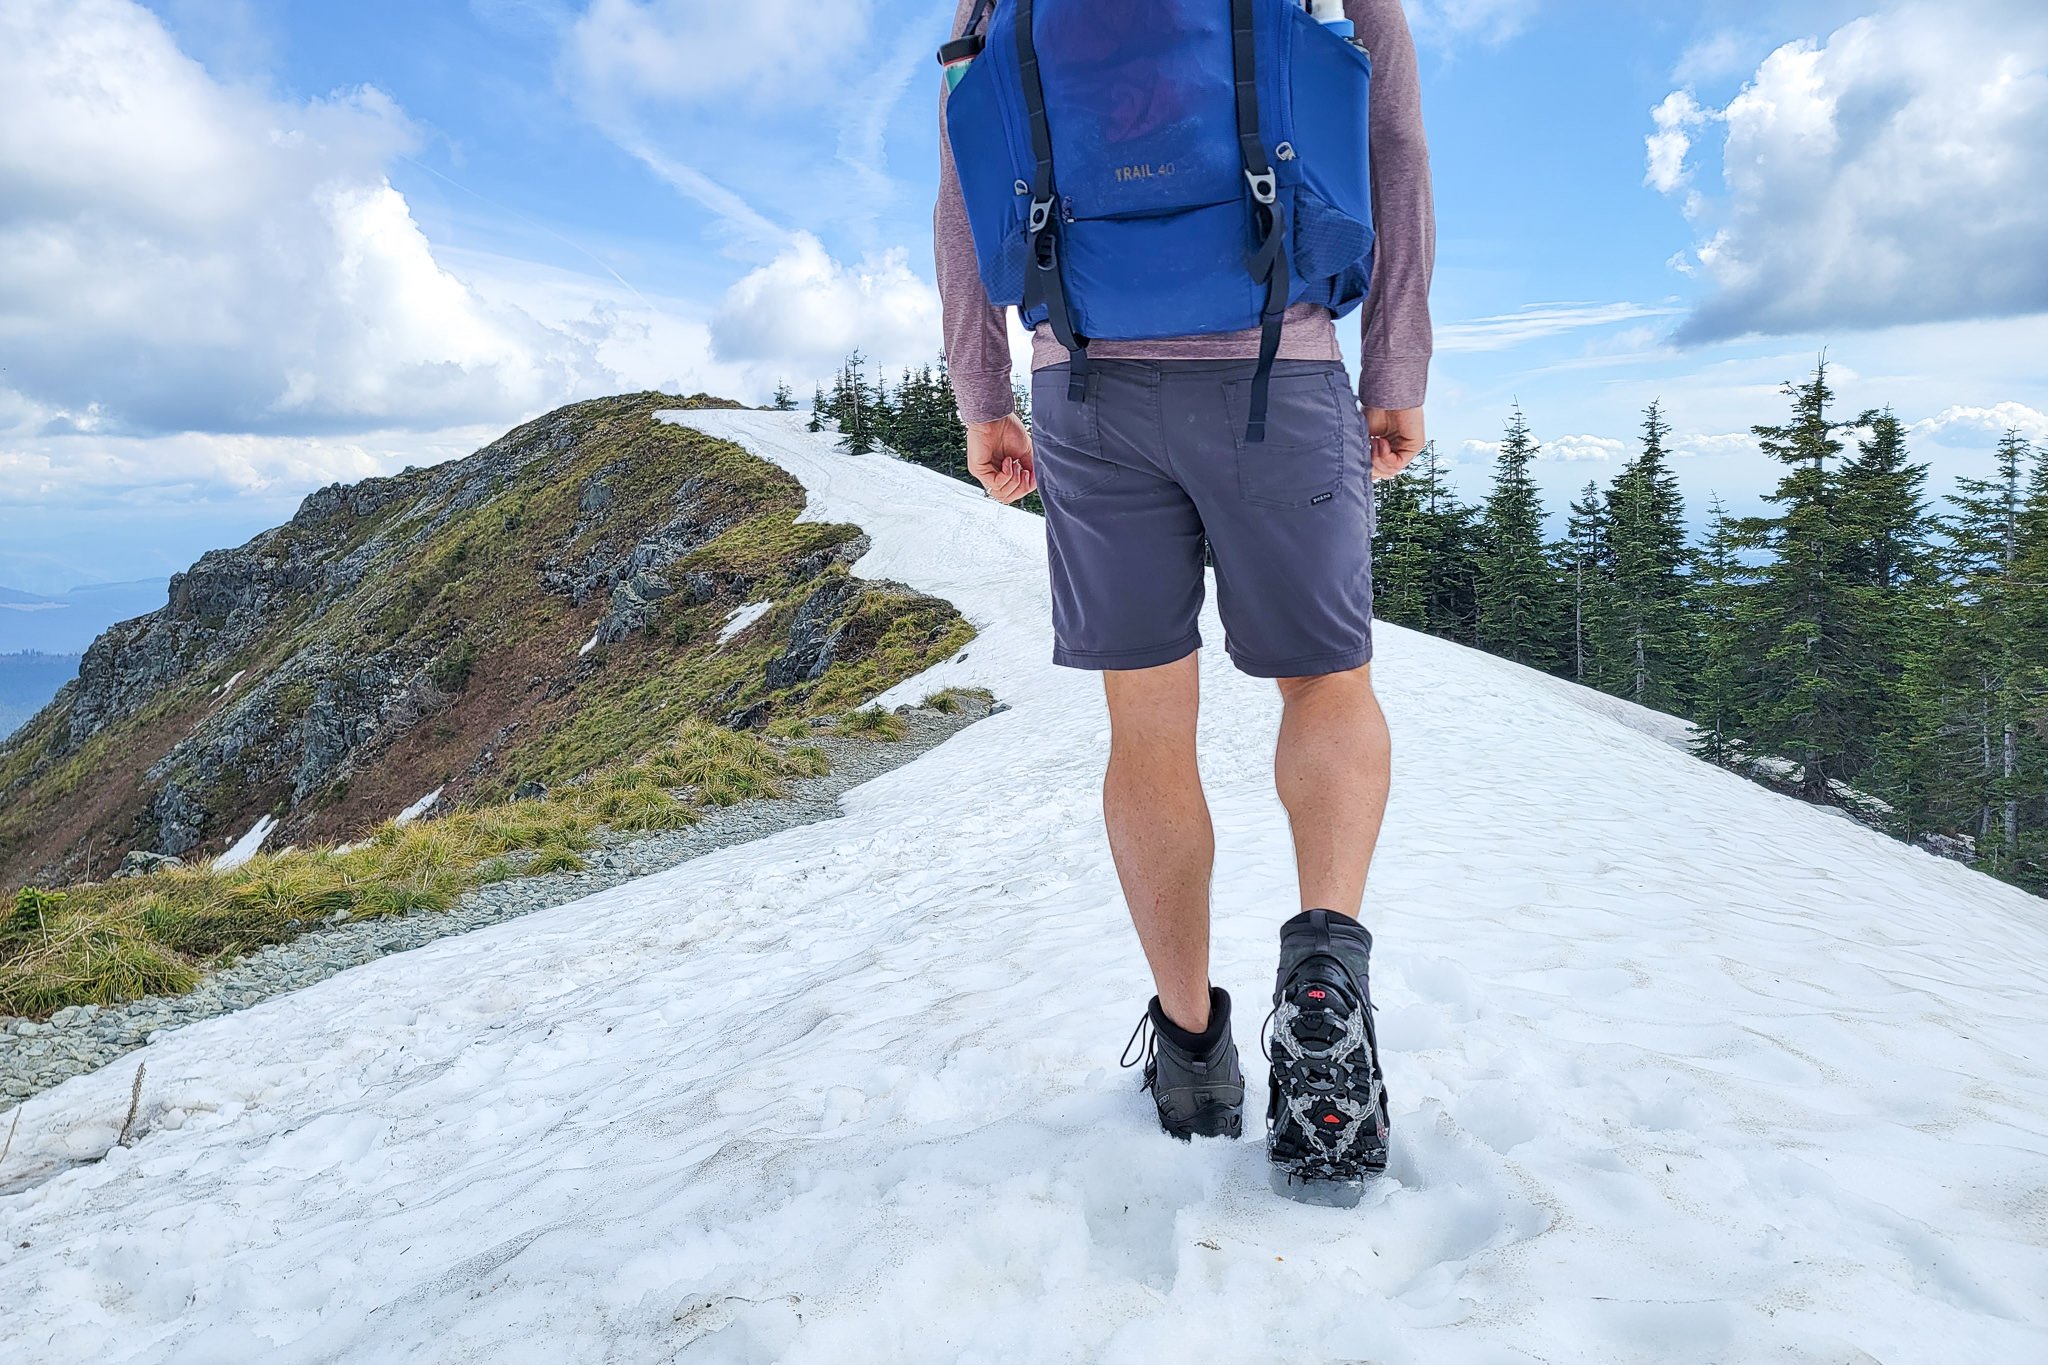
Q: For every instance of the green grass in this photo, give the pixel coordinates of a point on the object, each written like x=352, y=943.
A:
x=554, y=860
x=949, y=700
x=871, y=722
x=101, y=943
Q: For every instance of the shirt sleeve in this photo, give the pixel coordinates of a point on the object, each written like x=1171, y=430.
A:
x=1398, y=336
x=977, y=335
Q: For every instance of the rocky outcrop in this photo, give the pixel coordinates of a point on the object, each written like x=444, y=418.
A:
x=429, y=629
x=141, y=863
x=813, y=635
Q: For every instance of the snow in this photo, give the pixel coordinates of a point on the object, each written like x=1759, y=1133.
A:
x=246, y=847
x=1682, y=1071
x=742, y=617
x=418, y=808
x=589, y=644
x=229, y=685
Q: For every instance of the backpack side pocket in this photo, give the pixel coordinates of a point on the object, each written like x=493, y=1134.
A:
x=993, y=160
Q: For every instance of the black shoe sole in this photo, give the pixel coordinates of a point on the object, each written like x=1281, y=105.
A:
x=1327, y=1112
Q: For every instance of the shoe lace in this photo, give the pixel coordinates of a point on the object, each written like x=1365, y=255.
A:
x=1139, y=1049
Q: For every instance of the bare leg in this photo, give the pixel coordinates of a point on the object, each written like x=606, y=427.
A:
x=1331, y=769
x=1159, y=830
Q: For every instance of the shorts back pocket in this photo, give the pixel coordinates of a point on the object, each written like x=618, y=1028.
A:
x=1066, y=439
x=1301, y=461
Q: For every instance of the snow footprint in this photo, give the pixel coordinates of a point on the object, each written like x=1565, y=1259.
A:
x=1450, y=1200
x=1448, y=1000
x=1131, y=1196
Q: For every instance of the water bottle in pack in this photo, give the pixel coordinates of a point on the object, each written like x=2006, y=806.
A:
x=1330, y=14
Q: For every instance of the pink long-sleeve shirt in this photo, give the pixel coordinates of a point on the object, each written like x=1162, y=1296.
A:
x=1398, y=337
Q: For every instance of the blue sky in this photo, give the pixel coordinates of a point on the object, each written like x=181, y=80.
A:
x=249, y=248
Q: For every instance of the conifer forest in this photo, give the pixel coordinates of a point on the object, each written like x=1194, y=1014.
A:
x=1860, y=643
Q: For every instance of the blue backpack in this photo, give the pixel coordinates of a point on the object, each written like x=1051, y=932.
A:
x=1161, y=169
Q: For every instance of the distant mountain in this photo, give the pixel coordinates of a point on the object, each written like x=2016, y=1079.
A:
x=561, y=599
x=66, y=624
x=27, y=682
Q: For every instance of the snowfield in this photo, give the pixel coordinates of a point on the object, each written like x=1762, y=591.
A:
x=1682, y=1071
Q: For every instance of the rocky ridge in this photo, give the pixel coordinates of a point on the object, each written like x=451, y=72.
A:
x=523, y=614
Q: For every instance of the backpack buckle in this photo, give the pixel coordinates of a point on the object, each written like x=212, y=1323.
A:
x=1041, y=215
x=1265, y=186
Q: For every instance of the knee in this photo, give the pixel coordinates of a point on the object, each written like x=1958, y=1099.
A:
x=1353, y=687
x=1155, y=709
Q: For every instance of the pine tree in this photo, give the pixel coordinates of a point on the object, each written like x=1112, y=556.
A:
x=1517, y=597
x=881, y=417
x=784, y=400
x=818, y=410
x=1805, y=678
x=1720, y=695
x=946, y=438
x=853, y=404
x=1883, y=517
x=1452, y=538
x=2030, y=612
x=1403, y=561
x=1583, y=568
x=1649, y=653
x=903, y=428
x=1987, y=703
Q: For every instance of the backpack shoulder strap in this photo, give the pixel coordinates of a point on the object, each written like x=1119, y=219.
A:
x=1268, y=260
x=1044, y=282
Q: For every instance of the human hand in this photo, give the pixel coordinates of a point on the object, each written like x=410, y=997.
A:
x=999, y=456
x=1396, y=439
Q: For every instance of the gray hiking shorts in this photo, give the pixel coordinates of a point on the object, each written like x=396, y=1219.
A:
x=1154, y=466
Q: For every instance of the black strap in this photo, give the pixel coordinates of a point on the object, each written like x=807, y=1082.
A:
x=1268, y=260
x=974, y=19
x=1045, y=283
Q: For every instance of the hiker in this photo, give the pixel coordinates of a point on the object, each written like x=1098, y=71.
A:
x=1176, y=196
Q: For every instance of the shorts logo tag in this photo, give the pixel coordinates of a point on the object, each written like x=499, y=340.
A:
x=1319, y=501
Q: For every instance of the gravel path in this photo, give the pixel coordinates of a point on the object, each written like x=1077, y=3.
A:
x=36, y=1056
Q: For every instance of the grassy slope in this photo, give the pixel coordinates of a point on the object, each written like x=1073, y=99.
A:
x=103, y=942
x=459, y=591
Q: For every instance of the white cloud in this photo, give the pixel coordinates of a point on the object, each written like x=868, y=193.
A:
x=806, y=311
x=1536, y=321
x=1557, y=450
x=1967, y=426
x=691, y=52
x=1668, y=147
x=182, y=255
x=1728, y=445
x=703, y=96
x=1897, y=172
x=64, y=473
x=1724, y=52
x=1444, y=22
x=1578, y=449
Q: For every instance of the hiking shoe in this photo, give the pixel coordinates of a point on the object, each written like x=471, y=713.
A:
x=1195, y=1081
x=1326, y=1111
